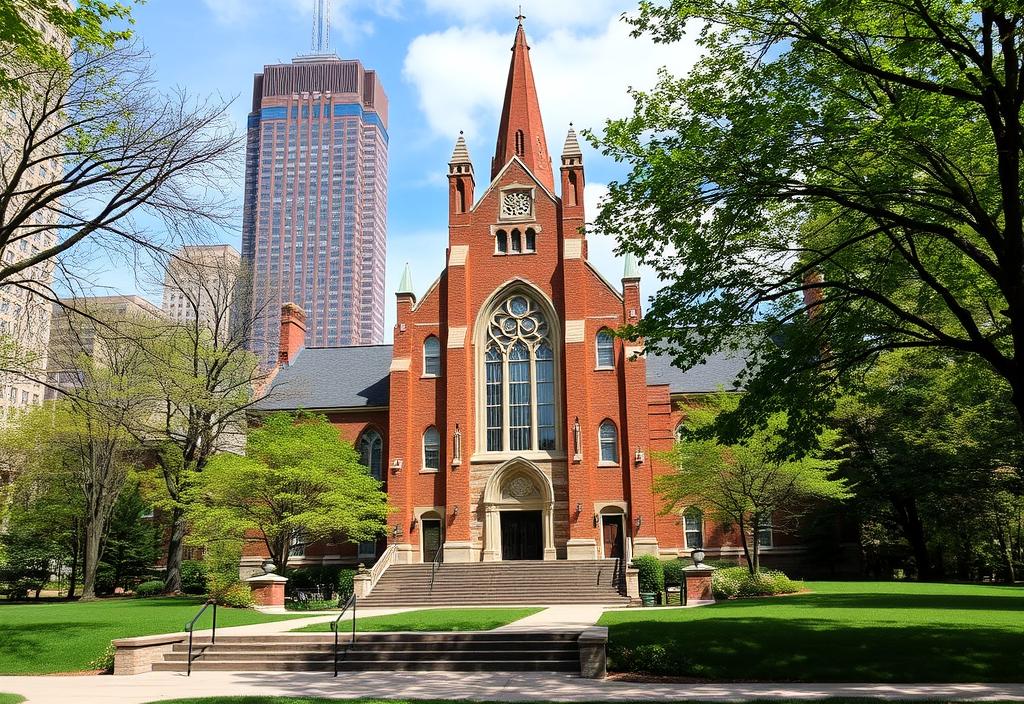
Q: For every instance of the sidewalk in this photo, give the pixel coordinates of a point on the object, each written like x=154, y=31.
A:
x=159, y=686
x=558, y=618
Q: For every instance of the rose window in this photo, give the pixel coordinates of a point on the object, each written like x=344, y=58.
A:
x=517, y=204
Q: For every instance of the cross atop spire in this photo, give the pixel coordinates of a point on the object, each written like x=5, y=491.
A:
x=520, y=16
x=521, y=130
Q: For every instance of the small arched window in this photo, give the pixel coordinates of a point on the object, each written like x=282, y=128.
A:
x=431, y=357
x=431, y=449
x=608, y=438
x=605, y=349
x=531, y=240
x=460, y=196
x=520, y=143
x=501, y=242
x=693, y=528
x=371, y=452
x=517, y=241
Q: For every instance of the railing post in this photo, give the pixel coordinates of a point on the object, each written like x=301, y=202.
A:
x=188, y=668
x=213, y=635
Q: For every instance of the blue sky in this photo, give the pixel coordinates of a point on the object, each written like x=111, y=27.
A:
x=443, y=65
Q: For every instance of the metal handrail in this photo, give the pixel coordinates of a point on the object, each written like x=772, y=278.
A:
x=190, y=627
x=334, y=627
x=435, y=566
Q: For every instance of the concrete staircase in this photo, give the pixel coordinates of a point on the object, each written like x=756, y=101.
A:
x=460, y=652
x=501, y=583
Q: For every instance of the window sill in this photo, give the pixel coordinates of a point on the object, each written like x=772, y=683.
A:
x=429, y=471
x=486, y=457
x=430, y=376
x=604, y=369
x=515, y=254
x=608, y=465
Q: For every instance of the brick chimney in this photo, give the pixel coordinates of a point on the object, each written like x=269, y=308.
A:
x=293, y=333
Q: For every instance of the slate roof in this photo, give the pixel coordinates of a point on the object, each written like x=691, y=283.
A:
x=332, y=377
x=356, y=377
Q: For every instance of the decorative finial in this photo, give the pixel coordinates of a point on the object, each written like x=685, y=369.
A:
x=520, y=16
x=405, y=285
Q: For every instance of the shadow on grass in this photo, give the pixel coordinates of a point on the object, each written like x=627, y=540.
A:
x=876, y=600
x=25, y=642
x=809, y=650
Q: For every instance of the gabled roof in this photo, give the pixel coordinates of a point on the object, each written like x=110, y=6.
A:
x=322, y=378
x=716, y=373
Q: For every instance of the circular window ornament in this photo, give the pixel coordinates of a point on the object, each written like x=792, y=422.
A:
x=517, y=204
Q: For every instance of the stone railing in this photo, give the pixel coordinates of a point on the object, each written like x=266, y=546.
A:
x=363, y=583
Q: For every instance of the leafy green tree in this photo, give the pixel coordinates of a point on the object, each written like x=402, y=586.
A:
x=132, y=544
x=751, y=484
x=85, y=23
x=843, y=176
x=297, y=480
x=933, y=448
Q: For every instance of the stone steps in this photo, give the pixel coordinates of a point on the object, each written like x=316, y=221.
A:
x=469, y=652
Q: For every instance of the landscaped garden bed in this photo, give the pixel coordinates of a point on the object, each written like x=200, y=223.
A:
x=434, y=620
x=72, y=636
x=838, y=631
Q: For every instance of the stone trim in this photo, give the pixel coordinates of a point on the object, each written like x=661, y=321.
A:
x=593, y=644
x=572, y=248
x=400, y=364
x=456, y=337
x=458, y=255
x=575, y=330
x=133, y=656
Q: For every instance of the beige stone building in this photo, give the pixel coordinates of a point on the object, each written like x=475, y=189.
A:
x=200, y=284
x=24, y=308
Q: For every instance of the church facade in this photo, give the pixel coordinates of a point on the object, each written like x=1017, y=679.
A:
x=507, y=421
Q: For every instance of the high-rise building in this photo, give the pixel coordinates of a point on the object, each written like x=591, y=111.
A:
x=24, y=308
x=314, y=228
x=200, y=285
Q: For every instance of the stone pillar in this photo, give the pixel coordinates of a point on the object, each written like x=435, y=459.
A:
x=267, y=589
x=361, y=585
x=593, y=643
x=633, y=583
x=698, y=583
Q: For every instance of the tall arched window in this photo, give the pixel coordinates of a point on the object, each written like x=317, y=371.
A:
x=608, y=438
x=431, y=357
x=531, y=240
x=605, y=349
x=500, y=242
x=519, y=372
x=517, y=241
x=520, y=143
x=431, y=448
x=371, y=452
x=693, y=528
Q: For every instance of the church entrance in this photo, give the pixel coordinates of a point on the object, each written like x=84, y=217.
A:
x=522, y=535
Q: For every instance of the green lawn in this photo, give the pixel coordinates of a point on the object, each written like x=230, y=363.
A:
x=842, y=631
x=66, y=637
x=435, y=620
x=11, y=698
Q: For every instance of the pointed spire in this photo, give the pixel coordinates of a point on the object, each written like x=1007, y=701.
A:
x=460, y=162
x=572, y=145
x=405, y=285
x=521, y=131
x=632, y=268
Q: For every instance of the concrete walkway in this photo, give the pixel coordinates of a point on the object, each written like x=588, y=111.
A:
x=558, y=618
x=159, y=686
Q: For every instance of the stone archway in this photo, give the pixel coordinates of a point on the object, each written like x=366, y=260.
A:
x=518, y=486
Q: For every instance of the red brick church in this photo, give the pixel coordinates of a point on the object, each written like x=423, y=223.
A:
x=507, y=421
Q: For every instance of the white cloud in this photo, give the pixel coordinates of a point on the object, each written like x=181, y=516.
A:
x=232, y=11
x=546, y=13
x=459, y=76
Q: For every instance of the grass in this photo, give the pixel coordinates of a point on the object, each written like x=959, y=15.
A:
x=842, y=631
x=68, y=636
x=435, y=620
x=11, y=698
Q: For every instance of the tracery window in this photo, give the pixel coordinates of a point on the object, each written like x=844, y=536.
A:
x=371, y=452
x=519, y=373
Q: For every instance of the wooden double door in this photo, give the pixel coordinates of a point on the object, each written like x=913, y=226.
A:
x=611, y=531
x=522, y=535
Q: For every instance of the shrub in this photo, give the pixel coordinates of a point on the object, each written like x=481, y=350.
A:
x=226, y=590
x=193, y=577
x=651, y=573
x=105, y=663
x=345, y=586
x=673, y=570
x=312, y=605
x=651, y=659
x=738, y=582
x=153, y=587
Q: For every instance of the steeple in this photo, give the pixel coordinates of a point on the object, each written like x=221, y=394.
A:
x=460, y=158
x=405, y=285
x=521, y=130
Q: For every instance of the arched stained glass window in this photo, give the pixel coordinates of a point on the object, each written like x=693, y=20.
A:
x=519, y=371
x=371, y=452
x=608, y=438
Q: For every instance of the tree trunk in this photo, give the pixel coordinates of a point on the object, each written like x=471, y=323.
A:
x=175, y=551
x=91, y=559
x=73, y=576
x=913, y=530
x=757, y=546
x=746, y=548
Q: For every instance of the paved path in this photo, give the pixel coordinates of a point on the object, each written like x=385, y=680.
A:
x=291, y=624
x=562, y=617
x=157, y=686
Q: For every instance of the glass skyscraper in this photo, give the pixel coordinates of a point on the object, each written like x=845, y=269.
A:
x=314, y=229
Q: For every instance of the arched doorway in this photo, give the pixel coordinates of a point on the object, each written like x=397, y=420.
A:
x=519, y=513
